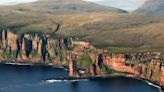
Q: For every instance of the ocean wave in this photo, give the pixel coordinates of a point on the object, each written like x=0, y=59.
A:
x=65, y=69
x=52, y=81
x=151, y=84
x=60, y=67
x=64, y=80
x=8, y=63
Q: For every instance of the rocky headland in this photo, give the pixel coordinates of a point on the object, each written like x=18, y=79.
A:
x=82, y=58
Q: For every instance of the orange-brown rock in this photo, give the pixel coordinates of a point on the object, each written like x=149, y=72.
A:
x=145, y=64
x=162, y=76
x=117, y=62
x=82, y=43
x=93, y=70
x=12, y=40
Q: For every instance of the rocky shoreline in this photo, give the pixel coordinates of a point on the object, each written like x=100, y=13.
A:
x=80, y=57
x=149, y=82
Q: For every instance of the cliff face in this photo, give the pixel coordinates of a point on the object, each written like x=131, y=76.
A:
x=153, y=71
x=32, y=48
x=117, y=62
x=82, y=58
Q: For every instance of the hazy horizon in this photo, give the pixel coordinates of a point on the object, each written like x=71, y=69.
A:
x=14, y=2
x=128, y=5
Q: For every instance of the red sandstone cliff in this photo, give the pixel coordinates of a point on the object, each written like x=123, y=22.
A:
x=67, y=51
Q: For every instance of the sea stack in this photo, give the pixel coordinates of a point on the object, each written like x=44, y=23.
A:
x=72, y=66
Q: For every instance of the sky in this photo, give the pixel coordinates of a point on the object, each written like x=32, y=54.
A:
x=14, y=2
x=128, y=5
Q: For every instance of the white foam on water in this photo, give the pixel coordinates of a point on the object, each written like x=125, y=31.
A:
x=151, y=84
x=65, y=80
x=60, y=67
x=53, y=81
x=78, y=80
x=66, y=69
x=17, y=63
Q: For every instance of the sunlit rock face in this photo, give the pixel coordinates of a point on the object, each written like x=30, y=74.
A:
x=162, y=76
x=11, y=40
x=33, y=48
x=117, y=62
x=154, y=71
x=73, y=72
x=78, y=54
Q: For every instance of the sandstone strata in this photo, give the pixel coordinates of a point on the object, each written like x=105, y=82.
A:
x=78, y=54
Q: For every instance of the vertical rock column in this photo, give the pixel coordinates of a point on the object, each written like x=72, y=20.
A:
x=39, y=54
x=19, y=44
x=4, y=39
x=18, y=47
x=40, y=47
x=162, y=76
x=61, y=44
x=100, y=60
x=72, y=66
x=1, y=38
x=12, y=40
x=28, y=46
x=44, y=48
x=71, y=70
x=93, y=70
x=23, y=49
x=35, y=42
x=35, y=48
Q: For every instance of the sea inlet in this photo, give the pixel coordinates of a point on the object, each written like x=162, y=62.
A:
x=34, y=78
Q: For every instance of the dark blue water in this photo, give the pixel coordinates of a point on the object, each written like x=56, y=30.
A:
x=15, y=78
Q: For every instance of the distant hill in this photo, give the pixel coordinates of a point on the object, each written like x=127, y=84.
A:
x=67, y=6
x=152, y=7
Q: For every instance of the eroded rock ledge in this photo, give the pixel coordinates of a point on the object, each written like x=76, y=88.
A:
x=83, y=59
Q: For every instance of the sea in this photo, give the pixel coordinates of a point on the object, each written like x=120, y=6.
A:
x=40, y=78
